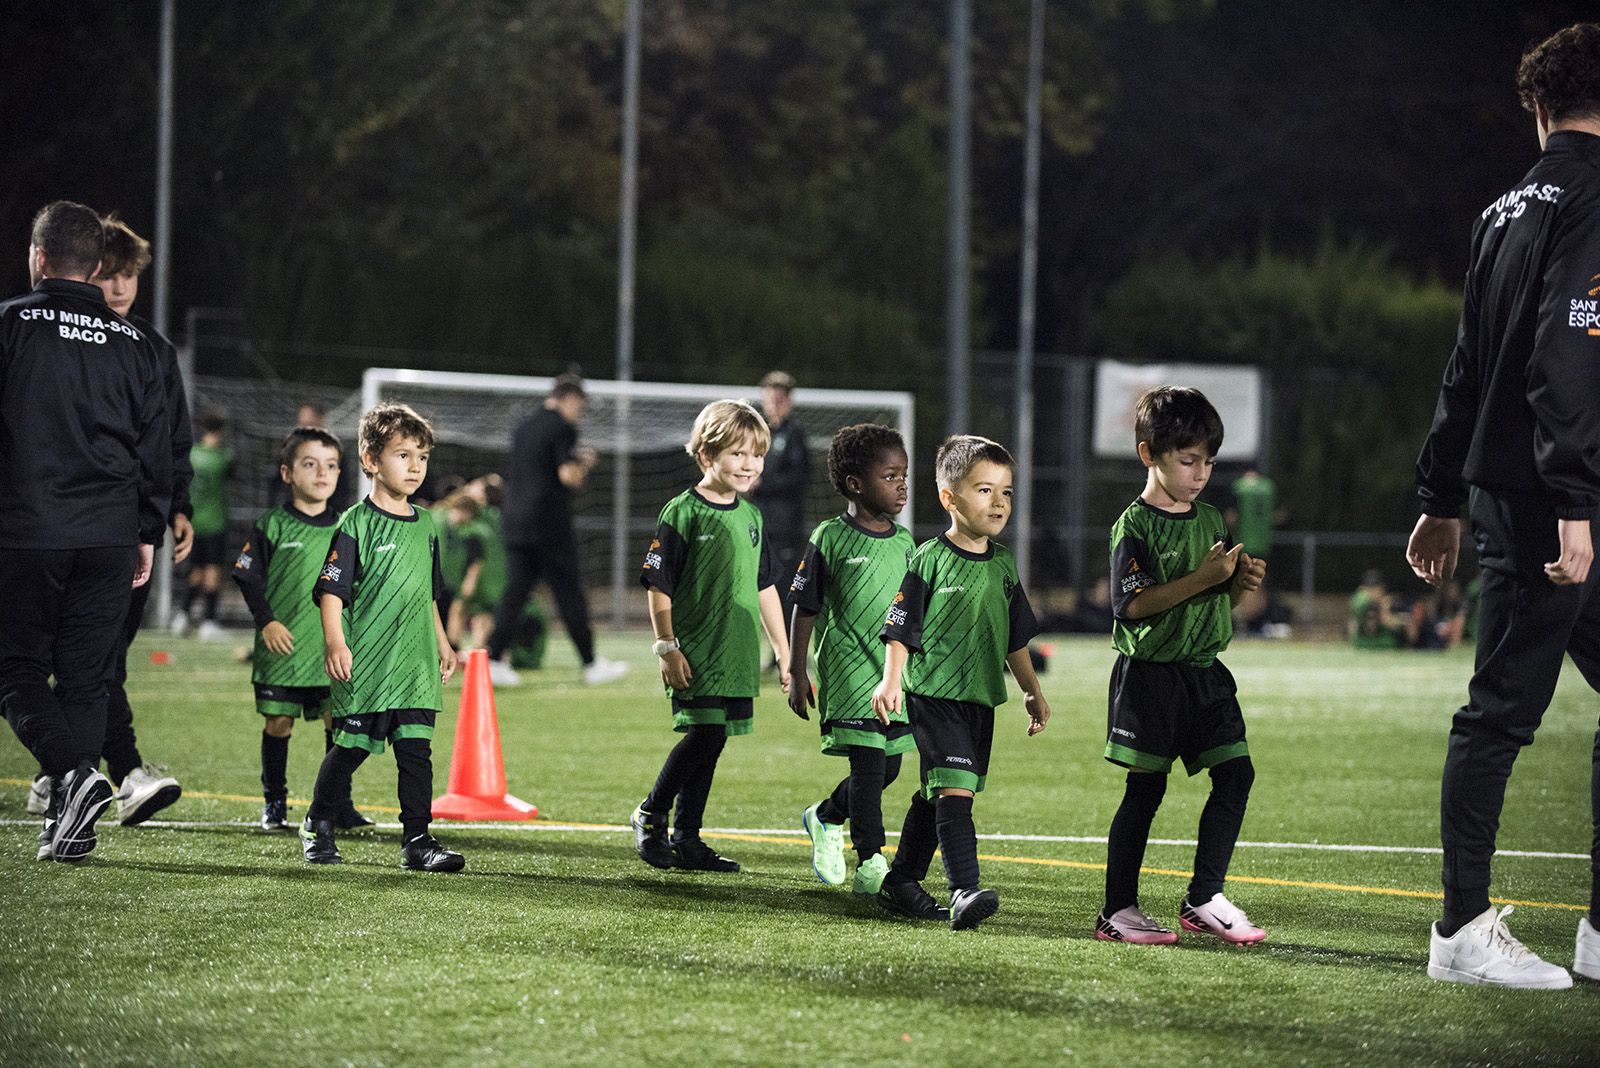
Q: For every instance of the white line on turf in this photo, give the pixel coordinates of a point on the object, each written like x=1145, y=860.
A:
x=1059, y=839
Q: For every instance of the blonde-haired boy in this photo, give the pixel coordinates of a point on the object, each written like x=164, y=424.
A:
x=711, y=587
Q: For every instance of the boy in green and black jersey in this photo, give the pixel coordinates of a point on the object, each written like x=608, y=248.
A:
x=277, y=566
x=1175, y=576
x=709, y=578
x=958, y=621
x=212, y=462
x=380, y=586
x=841, y=589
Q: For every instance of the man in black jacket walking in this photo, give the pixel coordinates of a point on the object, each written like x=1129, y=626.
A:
x=1516, y=437
x=86, y=474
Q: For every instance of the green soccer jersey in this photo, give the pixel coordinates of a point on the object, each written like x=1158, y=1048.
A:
x=275, y=571
x=961, y=614
x=385, y=568
x=1257, y=499
x=485, y=548
x=712, y=560
x=846, y=579
x=452, y=549
x=208, y=493
x=1150, y=547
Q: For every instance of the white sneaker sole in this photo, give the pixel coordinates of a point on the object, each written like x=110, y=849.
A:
x=135, y=811
x=1451, y=975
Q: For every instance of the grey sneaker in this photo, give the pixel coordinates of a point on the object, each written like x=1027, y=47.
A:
x=39, y=795
x=145, y=791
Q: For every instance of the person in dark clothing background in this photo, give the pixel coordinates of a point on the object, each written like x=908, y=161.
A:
x=781, y=492
x=545, y=468
x=1516, y=437
x=86, y=473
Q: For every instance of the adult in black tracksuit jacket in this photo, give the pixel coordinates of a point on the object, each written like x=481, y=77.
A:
x=85, y=485
x=1516, y=437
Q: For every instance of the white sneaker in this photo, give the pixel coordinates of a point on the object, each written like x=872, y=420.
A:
x=209, y=631
x=603, y=671
x=181, y=623
x=827, y=846
x=145, y=791
x=39, y=796
x=1221, y=918
x=1586, y=961
x=1484, y=953
x=501, y=673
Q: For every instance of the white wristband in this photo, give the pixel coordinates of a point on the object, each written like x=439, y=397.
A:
x=663, y=646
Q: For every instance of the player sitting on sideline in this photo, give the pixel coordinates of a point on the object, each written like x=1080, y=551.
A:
x=958, y=621
x=1174, y=582
x=381, y=581
x=279, y=563
x=842, y=587
x=709, y=579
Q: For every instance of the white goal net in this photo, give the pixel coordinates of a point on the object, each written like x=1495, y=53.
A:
x=639, y=429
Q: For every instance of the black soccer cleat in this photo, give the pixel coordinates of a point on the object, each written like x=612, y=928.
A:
x=906, y=898
x=692, y=854
x=650, y=838
x=968, y=908
x=275, y=816
x=316, y=841
x=349, y=819
x=424, y=853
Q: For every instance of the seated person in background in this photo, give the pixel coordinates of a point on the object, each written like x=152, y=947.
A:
x=1376, y=621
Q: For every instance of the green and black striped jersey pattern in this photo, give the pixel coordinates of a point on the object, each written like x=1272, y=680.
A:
x=385, y=568
x=960, y=613
x=847, y=579
x=276, y=571
x=712, y=560
x=1150, y=547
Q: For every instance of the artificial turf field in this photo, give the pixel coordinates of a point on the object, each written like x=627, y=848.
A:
x=215, y=944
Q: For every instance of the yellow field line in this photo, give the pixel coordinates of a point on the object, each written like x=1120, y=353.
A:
x=1046, y=862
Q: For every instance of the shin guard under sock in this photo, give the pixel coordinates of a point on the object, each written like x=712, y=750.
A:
x=958, y=842
x=274, y=767
x=1219, y=826
x=1130, y=833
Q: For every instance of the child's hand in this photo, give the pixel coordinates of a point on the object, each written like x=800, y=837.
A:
x=675, y=670
x=801, y=694
x=447, y=662
x=336, y=660
x=1038, y=710
x=1218, y=565
x=785, y=680
x=886, y=699
x=276, y=637
x=1251, y=574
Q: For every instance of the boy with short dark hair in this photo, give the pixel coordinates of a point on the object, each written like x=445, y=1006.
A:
x=958, y=621
x=710, y=583
x=212, y=464
x=841, y=589
x=1175, y=577
x=381, y=580
x=277, y=565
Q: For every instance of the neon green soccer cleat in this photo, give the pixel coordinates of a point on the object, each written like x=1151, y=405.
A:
x=827, y=846
x=869, y=876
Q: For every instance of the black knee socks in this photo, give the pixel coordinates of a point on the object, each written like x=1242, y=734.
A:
x=919, y=837
x=413, y=758
x=274, y=767
x=1219, y=826
x=958, y=842
x=1130, y=833
x=686, y=776
x=859, y=799
x=211, y=605
x=332, y=792
x=1594, y=849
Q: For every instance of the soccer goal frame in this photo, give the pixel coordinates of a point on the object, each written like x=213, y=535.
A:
x=621, y=440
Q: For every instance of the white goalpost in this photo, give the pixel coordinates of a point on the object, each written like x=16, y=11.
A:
x=638, y=428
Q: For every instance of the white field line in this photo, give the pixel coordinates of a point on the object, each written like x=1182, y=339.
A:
x=1059, y=839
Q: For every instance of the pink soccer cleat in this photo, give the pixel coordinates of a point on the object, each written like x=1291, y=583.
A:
x=1221, y=918
x=1132, y=925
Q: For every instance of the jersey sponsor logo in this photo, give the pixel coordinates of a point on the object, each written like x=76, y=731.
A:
x=897, y=613
x=800, y=578
x=958, y=760
x=384, y=548
x=1125, y=734
x=1168, y=555
x=652, y=561
x=1585, y=314
x=951, y=589
x=244, y=561
x=289, y=545
x=331, y=573
x=704, y=537
x=858, y=560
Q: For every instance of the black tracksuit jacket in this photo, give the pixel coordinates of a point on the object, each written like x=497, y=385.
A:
x=85, y=441
x=1519, y=410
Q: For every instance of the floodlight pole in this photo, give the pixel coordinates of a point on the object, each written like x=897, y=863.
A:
x=628, y=207
x=1023, y=539
x=958, y=340
x=162, y=592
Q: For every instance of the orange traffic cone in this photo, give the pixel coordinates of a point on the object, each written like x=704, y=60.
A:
x=477, y=789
